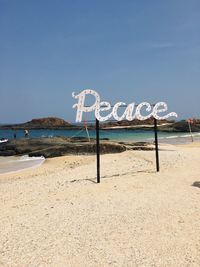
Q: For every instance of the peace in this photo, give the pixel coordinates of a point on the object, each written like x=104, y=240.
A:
x=131, y=112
